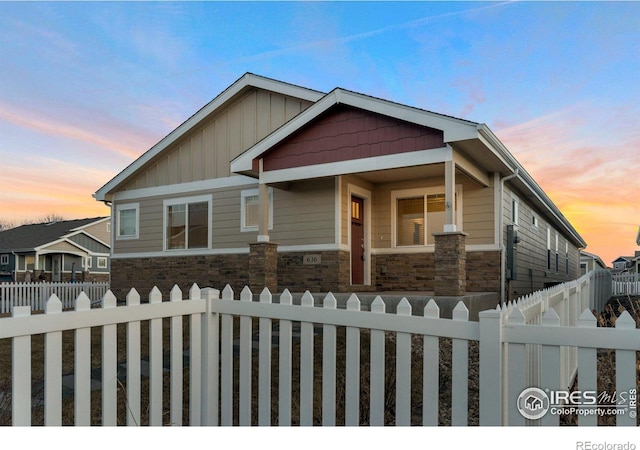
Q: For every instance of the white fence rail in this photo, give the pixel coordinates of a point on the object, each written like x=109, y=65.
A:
x=515, y=348
x=626, y=284
x=36, y=294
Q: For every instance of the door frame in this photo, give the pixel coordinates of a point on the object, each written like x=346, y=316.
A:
x=365, y=195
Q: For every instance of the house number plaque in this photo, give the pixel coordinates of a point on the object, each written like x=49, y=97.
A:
x=311, y=259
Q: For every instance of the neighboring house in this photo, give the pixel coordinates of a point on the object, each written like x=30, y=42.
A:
x=276, y=185
x=622, y=264
x=68, y=250
x=589, y=262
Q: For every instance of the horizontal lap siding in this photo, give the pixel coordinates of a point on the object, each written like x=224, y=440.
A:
x=532, y=249
x=478, y=213
x=305, y=213
x=477, y=210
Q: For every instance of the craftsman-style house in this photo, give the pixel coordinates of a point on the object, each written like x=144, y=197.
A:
x=66, y=250
x=276, y=185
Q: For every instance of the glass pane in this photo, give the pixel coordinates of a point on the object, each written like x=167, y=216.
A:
x=176, y=220
x=251, y=210
x=435, y=216
x=198, y=225
x=127, y=222
x=410, y=221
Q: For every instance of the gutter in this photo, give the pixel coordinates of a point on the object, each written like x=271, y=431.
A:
x=503, y=249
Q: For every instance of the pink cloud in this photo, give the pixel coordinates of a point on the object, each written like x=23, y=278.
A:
x=589, y=167
x=128, y=142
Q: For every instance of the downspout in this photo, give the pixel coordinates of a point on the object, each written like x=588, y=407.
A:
x=503, y=249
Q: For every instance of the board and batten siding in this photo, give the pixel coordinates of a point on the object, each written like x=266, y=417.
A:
x=207, y=150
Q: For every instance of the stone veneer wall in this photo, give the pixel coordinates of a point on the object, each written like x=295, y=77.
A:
x=207, y=271
x=483, y=271
x=403, y=272
x=332, y=274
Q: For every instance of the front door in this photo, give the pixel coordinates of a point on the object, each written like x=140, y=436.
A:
x=357, y=240
x=55, y=268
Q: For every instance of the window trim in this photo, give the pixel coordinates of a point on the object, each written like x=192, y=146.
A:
x=4, y=260
x=421, y=192
x=208, y=198
x=101, y=259
x=515, y=209
x=243, y=198
x=127, y=207
x=88, y=262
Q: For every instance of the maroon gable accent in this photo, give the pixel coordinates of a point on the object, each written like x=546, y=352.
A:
x=344, y=134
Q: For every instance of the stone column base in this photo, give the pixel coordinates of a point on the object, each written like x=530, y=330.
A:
x=263, y=266
x=450, y=264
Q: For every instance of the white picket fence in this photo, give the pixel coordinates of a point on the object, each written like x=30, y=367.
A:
x=218, y=381
x=36, y=294
x=626, y=284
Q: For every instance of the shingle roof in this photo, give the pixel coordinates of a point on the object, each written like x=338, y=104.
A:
x=28, y=237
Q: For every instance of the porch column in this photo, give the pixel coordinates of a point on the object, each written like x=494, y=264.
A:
x=449, y=196
x=450, y=264
x=263, y=213
x=263, y=266
x=263, y=207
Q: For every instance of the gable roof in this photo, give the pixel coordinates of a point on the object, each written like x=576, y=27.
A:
x=596, y=258
x=469, y=137
x=29, y=237
x=454, y=129
x=245, y=82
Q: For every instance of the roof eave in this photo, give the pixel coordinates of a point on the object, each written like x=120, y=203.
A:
x=454, y=129
x=248, y=80
x=527, y=180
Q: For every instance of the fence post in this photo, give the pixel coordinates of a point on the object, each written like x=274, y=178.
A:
x=264, y=364
x=490, y=350
x=626, y=372
x=21, y=374
x=210, y=359
x=587, y=364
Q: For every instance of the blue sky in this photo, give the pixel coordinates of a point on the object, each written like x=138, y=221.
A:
x=85, y=88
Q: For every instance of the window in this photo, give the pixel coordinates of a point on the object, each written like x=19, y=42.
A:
x=557, y=255
x=249, y=215
x=187, y=223
x=515, y=209
x=127, y=216
x=534, y=221
x=4, y=259
x=102, y=262
x=566, y=258
x=418, y=213
x=87, y=262
x=549, y=249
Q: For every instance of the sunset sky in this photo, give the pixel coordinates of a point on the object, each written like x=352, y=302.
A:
x=85, y=88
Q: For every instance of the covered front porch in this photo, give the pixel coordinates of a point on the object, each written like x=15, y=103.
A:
x=403, y=180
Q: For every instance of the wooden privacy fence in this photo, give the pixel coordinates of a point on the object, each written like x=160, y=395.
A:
x=240, y=374
x=36, y=294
